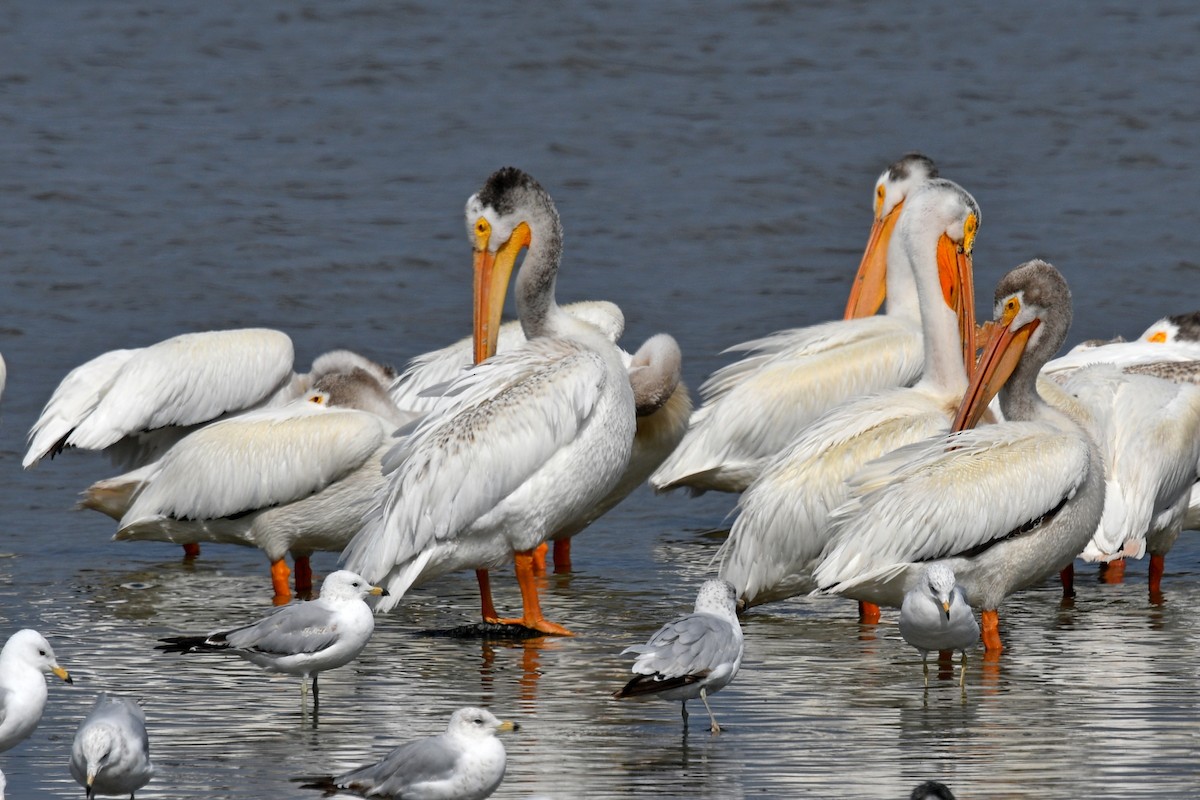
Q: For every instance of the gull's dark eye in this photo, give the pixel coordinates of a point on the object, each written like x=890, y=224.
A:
x=479, y=720
x=41, y=652
x=355, y=584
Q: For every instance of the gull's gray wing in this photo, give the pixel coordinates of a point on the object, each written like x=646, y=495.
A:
x=429, y=759
x=294, y=629
x=691, y=646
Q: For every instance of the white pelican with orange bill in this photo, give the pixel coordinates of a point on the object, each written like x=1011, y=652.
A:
x=529, y=440
x=783, y=523
x=1004, y=506
x=756, y=407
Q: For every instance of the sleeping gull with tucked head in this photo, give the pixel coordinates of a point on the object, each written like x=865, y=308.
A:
x=302, y=639
x=692, y=656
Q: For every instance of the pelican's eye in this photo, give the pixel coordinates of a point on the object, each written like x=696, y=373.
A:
x=880, y=196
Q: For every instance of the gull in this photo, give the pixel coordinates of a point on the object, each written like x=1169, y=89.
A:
x=301, y=639
x=111, y=750
x=935, y=615
x=465, y=763
x=931, y=790
x=692, y=656
x=26, y=655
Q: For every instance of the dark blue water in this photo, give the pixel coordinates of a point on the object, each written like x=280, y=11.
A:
x=168, y=167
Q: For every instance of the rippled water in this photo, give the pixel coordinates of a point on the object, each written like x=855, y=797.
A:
x=171, y=167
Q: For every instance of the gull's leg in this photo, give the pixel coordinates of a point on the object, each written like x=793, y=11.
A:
x=715, y=727
x=316, y=695
x=962, y=678
x=683, y=705
x=925, y=666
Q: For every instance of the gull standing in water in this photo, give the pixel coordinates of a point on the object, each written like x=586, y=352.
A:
x=530, y=440
x=782, y=526
x=693, y=656
x=935, y=615
x=466, y=762
x=111, y=750
x=26, y=655
x=304, y=638
x=755, y=407
x=1004, y=506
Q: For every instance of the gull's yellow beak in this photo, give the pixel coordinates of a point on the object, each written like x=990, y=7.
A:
x=378, y=591
x=508, y=725
x=62, y=673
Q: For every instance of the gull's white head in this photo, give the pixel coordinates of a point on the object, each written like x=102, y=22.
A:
x=30, y=648
x=347, y=585
x=477, y=723
x=938, y=581
x=717, y=596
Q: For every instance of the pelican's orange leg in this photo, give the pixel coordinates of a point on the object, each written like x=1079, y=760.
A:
x=868, y=613
x=1113, y=571
x=532, y=609
x=485, y=596
x=191, y=550
x=279, y=579
x=303, y=575
x=562, y=556
x=539, y=558
x=1158, y=564
x=991, y=635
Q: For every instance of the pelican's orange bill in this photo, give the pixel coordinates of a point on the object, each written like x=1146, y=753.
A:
x=492, y=271
x=1001, y=354
x=870, y=283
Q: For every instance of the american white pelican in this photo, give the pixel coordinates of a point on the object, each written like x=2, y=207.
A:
x=531, y=439
x=783, y=522
x=1148, y=431
x=692, y=656
x=935, y=615
x=181, y=381
x=662, y=403
x=1003, y=506
x=465, y=762
x=293, y=478
x=755, y=407
x=111, y=750
x=302, y=639
x=655, y=371
x=26, y=655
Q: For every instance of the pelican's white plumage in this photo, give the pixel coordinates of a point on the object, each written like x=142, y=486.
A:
x=24, y=659
x=755, y=407
x=1003, y=506
x=110, y=754
x=294, y=478
x=782, y=526
x=184, y=380
x=530, y=439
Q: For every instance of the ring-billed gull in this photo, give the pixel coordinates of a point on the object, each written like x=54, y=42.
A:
x=111, y=750
x=935, y=615
x=464, y=763
x=26, y=655
x=302, y=638
x=692, y=656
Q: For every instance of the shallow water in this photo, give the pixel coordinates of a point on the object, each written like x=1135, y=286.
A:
x=173, y=167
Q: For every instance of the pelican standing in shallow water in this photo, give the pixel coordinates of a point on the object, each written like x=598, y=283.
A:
x=1004, y=506
x=532, y=439
x=783, y=523
x=755, y=407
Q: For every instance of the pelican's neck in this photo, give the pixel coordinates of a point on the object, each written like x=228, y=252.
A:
x=915, y=251
x=536, y=306
x=901, y=300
